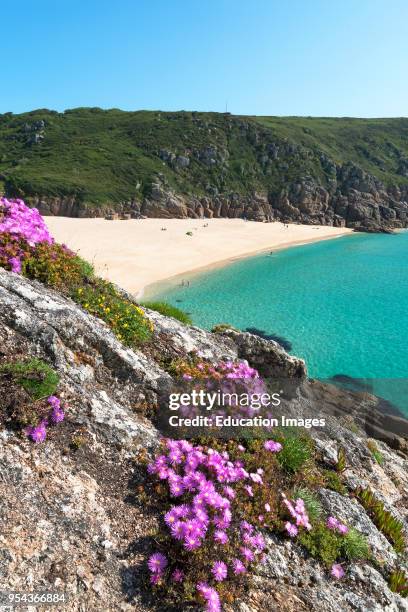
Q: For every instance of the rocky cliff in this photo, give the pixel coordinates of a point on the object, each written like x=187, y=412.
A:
x=90, y=162
x=72, y=519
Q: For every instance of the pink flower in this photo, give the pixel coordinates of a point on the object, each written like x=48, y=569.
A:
x=332, y=522
x=247, y=554
x=155, y=578
x=343, y=529
x=271, y=445
x=337, y=571
x=238, y=567
x=37, y=433
x=177, y=575
x=219, y=571
x=220, y=536
x=157, y=563
x=267, y=507
x=291, y=529
x=15, y=264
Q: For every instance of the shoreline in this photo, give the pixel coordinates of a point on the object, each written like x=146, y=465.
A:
x=148, y=291
x=138, y=255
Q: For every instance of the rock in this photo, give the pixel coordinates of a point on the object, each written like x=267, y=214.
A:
x=87, y=534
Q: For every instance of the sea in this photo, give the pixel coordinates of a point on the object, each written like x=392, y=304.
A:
x=341, y=304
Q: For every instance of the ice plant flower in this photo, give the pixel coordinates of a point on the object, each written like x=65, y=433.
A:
x=15, y=263
x=177, y=575
x=337, y=571
x=37, y=433
x=238, y=567
x=211, y=597
x=220, y=536
x=334, y=524
x=219, y=571
x=157, y=563
x=271, y=445
x=291, y=529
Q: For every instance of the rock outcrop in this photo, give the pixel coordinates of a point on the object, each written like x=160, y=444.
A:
x=71, y=520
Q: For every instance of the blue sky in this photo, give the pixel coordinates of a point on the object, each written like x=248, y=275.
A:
x=263, y=57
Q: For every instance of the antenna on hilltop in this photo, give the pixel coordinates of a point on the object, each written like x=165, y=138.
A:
x=226, y=106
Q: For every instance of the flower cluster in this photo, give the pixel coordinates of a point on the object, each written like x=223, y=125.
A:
x=336, y=525
x=298, y=512
x=38, y=433
x=204, y=480
x=24, y=224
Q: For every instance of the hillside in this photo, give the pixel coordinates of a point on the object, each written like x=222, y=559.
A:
x=88, y=161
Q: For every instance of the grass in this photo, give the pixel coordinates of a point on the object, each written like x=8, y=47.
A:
x=103, y=157
x=297, y=450
x=37, y=378
x=312, y=503
x=169, y=311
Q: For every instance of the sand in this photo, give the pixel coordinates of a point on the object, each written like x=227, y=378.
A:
x=137, y=253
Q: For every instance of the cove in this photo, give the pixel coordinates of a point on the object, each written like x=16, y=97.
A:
x=342, y=305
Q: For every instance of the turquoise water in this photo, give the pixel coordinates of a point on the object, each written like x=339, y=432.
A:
x=342, y=304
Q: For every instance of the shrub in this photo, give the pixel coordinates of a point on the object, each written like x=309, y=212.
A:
x=169, y=311
x=56, y=266
x=189, y=233
x=35, y=376
x=27, y=399
x=208, y=548
x=127, y=321
x=322, y=544
x=330, y=546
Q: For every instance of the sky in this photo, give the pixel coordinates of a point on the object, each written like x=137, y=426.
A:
x=255, y=57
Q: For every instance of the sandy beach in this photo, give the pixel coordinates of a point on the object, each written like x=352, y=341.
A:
x=137, y=253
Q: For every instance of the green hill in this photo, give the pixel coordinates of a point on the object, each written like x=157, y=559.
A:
x=104, y=158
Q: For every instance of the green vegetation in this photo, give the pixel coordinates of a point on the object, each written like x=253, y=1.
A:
x=297, y=450
x=398, y=582
x=333, y=481
x=341, y=460
x=355, y=546
x=37, y=378
x=56, y=266
x=312, y=503
x=376, y=453
x=169, y=311
x=110, y=156
x=328, y=546
x=127, y=320
x=392, y=528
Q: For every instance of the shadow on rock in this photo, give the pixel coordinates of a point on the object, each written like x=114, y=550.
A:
x=286, y=344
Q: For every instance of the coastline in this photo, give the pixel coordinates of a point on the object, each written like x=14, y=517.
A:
x=150, y=290
x=139, y=255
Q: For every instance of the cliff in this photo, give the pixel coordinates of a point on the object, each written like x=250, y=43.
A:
x=73, y=519
x=90, y=162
